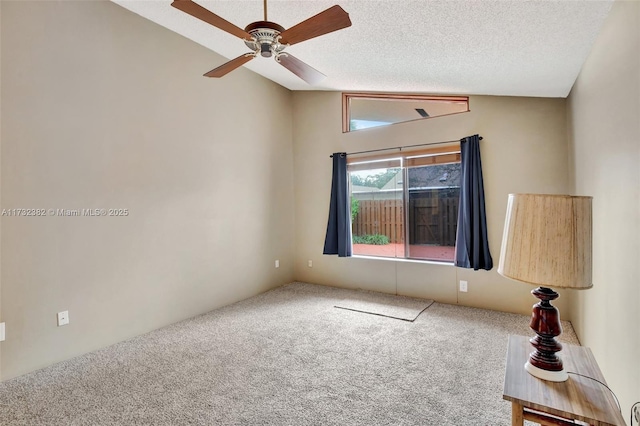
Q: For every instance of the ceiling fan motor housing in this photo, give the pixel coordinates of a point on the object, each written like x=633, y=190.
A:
x=265, y=38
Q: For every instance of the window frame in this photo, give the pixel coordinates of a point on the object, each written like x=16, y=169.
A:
x=347, y=96
x=410, y=158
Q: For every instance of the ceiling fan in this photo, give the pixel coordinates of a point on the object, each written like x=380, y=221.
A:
x=270, y=39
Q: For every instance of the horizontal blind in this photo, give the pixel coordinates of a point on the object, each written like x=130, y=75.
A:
x=432, y=159
x=377, y=164
x=423, y=157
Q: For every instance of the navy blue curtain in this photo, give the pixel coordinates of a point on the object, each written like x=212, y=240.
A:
x=472, y=244
x=338, y=239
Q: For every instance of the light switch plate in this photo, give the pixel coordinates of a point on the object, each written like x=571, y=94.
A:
x=2, y=335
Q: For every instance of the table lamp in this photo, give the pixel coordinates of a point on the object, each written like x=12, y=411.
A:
x=547, y=243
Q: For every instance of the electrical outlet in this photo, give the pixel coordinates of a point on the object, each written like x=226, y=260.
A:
x=2, y=335
x=63, y=318
x=463, y=286
x=310, y=263
x=277, y=263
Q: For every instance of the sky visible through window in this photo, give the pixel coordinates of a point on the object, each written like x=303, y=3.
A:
x=367, y=124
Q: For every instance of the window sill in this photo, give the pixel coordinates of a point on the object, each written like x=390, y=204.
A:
x=397, y=259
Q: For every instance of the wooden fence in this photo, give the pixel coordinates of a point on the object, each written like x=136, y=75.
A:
x=432, y=220
x=380, y=217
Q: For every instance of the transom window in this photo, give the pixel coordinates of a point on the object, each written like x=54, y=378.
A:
x=406, y=206
x=366, y=110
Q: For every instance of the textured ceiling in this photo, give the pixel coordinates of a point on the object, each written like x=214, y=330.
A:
x=518, y=48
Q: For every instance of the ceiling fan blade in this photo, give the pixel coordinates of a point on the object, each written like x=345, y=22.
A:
x=299, y=68
x=226, y=68
x=332, y=19
x=209, y=17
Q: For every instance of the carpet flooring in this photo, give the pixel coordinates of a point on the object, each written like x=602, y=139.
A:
x=285, y=357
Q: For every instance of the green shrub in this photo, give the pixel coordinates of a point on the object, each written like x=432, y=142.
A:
x=357, y=239
x=355, y=208
x=377, y=239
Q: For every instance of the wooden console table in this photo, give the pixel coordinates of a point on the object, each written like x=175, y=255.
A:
x=550, y=403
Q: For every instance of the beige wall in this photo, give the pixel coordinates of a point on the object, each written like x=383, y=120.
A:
x=524, y=150
x=104, y=109
x=604, y=111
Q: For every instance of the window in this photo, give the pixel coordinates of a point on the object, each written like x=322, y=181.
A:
x=406, y=206
x=365, y=110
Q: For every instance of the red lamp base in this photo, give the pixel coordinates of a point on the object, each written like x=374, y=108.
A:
x=545, y=321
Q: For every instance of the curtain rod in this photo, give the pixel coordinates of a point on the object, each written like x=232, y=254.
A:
x=401, y=147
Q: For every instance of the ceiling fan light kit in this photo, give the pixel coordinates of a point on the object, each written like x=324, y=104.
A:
x=269, y=39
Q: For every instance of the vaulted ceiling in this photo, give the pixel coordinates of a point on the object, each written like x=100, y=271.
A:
x=515, y=48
